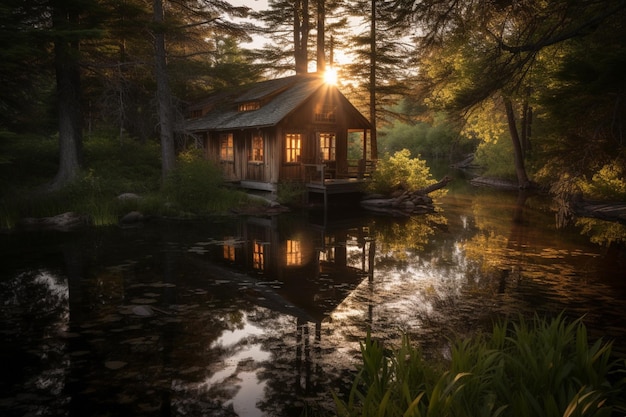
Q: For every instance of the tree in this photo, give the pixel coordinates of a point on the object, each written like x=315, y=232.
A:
x=164, y=97
x=492, y=49
x=291, y=25
x=70, y=25
x=25, y=79
x=381, y=64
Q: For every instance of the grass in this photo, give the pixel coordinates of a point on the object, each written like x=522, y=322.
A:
x=112, y=168
x=523, y=368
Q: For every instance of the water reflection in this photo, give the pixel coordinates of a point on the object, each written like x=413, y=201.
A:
x=263, y=316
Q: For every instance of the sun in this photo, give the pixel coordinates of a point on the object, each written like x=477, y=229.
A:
x=330, y=76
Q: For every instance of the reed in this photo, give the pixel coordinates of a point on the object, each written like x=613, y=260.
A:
x=538, y=367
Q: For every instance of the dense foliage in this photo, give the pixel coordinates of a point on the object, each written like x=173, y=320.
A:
x=400, y=171
x=116, y=168
x=544, y=76
x=523, y=368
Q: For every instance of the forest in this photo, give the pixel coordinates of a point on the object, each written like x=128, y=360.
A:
x=534, y=90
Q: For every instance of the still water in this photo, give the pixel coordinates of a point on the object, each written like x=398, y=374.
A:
x=263, y=316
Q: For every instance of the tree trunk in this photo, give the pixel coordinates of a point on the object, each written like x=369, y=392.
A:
x=373, y=52
x=164, y=96
x=321, y=18
x=518, y=155
x=68, y=99
x=301, y=35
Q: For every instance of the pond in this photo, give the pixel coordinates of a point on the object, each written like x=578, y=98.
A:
x=263, y=316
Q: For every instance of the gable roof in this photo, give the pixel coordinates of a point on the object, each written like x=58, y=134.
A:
x=277, y=97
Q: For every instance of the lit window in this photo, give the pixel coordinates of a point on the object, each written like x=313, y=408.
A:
x=293, y=253
x=226, y=147
x=252, y=105
x=256, y=150
x=229, y=249
x=293, y=145
x=327, y=146
x=258, y=256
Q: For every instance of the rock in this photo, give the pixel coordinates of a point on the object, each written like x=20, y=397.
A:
x=62, y=222
x=129, y=196
x=132, y=217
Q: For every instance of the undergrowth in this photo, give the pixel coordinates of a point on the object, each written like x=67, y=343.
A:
x=535, y=368
x=112, y=168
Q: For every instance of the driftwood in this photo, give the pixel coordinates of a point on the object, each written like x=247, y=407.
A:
x=434, y=187
x=405, y=203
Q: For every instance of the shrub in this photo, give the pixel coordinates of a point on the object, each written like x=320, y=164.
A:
x=290, y=193
x=196, y=185
x=607, y=183
x=537, y=368
x=400, y=171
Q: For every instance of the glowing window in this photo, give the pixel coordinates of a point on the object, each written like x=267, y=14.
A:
x=293, y=253
x=227, y=152
x=252, y=105
x=256, y=149
x=258, y=256
x=327, y=146
x=293, y=145
x=229, y=249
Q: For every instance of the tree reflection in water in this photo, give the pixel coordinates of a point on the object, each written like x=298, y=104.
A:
x=263, y=316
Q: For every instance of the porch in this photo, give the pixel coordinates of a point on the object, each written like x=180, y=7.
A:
x=322, y=178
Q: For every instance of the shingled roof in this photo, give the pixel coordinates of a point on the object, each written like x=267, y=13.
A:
x=278, y=98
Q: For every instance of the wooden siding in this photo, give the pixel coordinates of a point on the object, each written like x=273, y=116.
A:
x=302, y=120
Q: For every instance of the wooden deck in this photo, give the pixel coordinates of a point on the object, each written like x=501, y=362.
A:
x=334, y=186
x=320, y=179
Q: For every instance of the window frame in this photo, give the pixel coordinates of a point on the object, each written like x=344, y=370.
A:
x=331, y=149
x=227, y=153
x=256, y=154
x=293, y=155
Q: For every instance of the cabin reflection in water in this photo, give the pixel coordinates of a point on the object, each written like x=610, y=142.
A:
x=309, y=270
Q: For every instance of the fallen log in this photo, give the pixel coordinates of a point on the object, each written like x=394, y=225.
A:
x=404, y=203
x=434, y=187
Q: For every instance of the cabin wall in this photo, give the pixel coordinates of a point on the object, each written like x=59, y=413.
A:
x=326, y=111
x=242, y=168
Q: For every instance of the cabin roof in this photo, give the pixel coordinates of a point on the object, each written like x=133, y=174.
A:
x=277, y=99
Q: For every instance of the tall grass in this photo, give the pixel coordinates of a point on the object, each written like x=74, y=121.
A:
x=524, y=368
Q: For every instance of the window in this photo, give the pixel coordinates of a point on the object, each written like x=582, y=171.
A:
x=327, y=146
x=258, y=256
x=325, y=113
x=293, y=253
x=293, y=145
x=249, y=106
x=226, y=147
x=256, y=149
x=229, y=248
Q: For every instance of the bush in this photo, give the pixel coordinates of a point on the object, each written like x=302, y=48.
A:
x=196, y=185
x=608, y=183
x=400, y=171
x=539, y=368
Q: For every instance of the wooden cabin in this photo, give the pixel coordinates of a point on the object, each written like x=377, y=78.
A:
x=297, y=128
